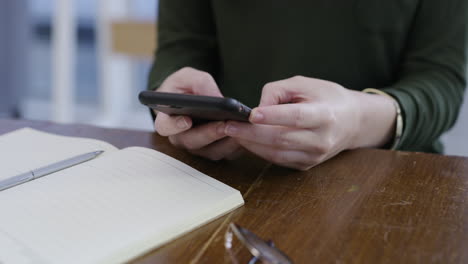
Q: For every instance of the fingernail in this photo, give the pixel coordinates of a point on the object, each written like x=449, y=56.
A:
x=257, y=116
x=231, y=130
x=220, y=128
x=182, y=123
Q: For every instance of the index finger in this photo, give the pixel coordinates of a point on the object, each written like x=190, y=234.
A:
x=284, y=91
x=301, y=115
x=167, y=125
x=191, y=81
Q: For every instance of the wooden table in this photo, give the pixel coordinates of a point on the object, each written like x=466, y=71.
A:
x=364, y=206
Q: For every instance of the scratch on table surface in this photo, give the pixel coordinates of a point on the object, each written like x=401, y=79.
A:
x=388, y=227
x=398, y=227
x=289, y=213
x=385, y=236
x=294, y=210
x=353, y=188
x=266, y=201
x=401, y=153
x=399, y=203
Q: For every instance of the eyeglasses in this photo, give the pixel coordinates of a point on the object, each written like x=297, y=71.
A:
x=243, y=246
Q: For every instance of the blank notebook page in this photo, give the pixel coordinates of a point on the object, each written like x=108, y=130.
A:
x=27, y=149
x=108, y=210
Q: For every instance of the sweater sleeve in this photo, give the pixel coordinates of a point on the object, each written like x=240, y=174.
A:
x=186, y=37
x=432, y=80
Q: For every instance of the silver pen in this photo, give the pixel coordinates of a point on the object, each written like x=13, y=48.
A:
x=37, y=173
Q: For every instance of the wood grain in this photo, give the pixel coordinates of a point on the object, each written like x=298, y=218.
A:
x=363, y=206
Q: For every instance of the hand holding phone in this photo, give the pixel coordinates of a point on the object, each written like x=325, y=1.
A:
x=206, y=140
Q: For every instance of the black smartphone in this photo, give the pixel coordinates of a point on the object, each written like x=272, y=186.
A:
x=200, y=108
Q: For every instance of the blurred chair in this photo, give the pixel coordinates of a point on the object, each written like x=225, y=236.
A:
x=134, y=38
x=117, y=34
x=115, y=30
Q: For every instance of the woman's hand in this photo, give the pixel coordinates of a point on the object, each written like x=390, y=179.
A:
x=302, y=122
x=208, y=140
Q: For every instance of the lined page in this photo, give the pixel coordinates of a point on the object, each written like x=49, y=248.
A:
x=27, y=149
x=108, y=210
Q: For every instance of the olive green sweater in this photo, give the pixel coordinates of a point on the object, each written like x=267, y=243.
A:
x=414, y=50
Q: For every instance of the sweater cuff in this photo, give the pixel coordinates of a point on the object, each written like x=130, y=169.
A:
x=405, y=102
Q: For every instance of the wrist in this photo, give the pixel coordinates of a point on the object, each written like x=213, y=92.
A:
x=377, y=120
x=398, y=124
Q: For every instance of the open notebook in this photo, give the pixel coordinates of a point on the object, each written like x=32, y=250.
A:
x=106, y=210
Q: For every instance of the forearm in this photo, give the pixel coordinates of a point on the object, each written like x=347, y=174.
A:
x=430, y=102
x=169, y=60
x=430, y=82
x=186, y=38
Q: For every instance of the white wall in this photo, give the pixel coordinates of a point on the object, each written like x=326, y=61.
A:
x=456, y=140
